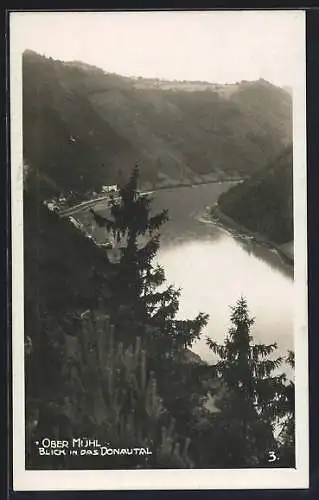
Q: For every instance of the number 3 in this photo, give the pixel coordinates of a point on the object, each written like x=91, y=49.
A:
x=272, y=456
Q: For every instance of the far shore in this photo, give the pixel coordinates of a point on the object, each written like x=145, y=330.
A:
x=214, y=214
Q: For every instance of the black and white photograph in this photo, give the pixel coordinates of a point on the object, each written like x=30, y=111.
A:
x=159, y=243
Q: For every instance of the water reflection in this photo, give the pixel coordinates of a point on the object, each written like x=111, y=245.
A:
x=214, y=268
x=268, y=255
x=214, y=274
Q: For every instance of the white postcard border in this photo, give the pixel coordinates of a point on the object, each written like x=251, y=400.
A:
x=160, y=479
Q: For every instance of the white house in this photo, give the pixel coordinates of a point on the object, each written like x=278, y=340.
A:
x=109, y=189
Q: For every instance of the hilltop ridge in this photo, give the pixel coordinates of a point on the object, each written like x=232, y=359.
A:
x=84, y=127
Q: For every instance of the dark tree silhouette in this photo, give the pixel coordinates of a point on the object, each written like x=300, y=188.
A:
x=251, y=407
x=138, y=303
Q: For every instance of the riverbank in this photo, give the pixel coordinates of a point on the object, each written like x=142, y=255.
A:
x=191, y=183
x=215, y=215
x=144, y=190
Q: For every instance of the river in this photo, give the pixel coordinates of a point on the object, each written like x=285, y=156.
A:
x=213, y=268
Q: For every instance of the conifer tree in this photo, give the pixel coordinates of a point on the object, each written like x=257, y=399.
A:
x=141, y=305
x=249, y=410
x=286, y=416
x=138, y=304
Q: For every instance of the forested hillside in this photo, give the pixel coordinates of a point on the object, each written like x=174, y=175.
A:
x=64, y=274
x=264, y=203
x=84, y=128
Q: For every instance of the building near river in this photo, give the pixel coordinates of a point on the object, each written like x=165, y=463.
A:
x=110, y=189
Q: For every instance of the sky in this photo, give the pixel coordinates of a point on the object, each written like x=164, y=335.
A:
x=216, y=46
